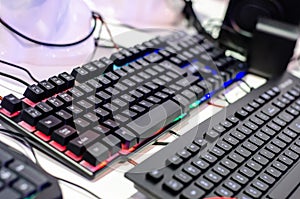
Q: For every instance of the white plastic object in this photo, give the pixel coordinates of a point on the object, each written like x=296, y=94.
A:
x=141, y=12
x=51, y=21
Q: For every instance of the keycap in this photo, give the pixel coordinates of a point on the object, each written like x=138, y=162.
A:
x=249, y=173
x=55, y=103
x=270, y=110
x=231, y=185
x=213, y=177
x=204, y=184
x=65, y=98
x=44, y=108
x=182, y=101
x=64, y=134
x=7, y=176
x=295, y=126
x=212, y=135
x=241, y=114
x=183, y=177
x=155, y=175
x=5, y=158
x=48, y=124
x=192, y=171
x=221, y=191
x=253, y=192
x=80, y=74
x=34, y=93
x=69, y=79
x=228, y=164
x=239, y=178
x=274, y=172
x=11, y=103
x=192, y=192
x=155, y=119
x=37, y=178
x=31, y=116
x=173, y=186
x=9, y=193
x=65, y=117
x=59, y=84
x=78, y=145
x=174, y=161
x=24, y=187
x=112, y=143
x=267, y=178
x=96, y=153
x=128, y=138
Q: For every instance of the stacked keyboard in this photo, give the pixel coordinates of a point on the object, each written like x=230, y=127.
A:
x=109, y=108
x=21, y=178
x=249, y=150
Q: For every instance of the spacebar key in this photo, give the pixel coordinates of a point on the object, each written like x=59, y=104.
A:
x=155, y=119
x=287, y=184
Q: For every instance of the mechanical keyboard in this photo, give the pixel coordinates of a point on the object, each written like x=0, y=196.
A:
x=21, y=178
x=249, y=150
x=109, y=108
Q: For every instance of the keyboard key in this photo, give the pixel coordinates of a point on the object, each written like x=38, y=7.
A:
x=5, y=158
x=231, y=185
x=34, y=93
x=7, y=176
x=155, y=175
x=78, y=145
x=239, y=178
x=204, y=184
x=183, y=177
x=48, y=124
x=96, y=153
x=37, y=178
x=24, y=187
x=247, y=172
x=64, y=134
x=253, y=192
x=11, y=103
x=127, y=137
x=192, y=171
x=31, y=116
x=192, y=192
x=173, y=186
x=9, y=193
x=174, y=161
x=221, y=191
x=274, y=172
x=213, y=177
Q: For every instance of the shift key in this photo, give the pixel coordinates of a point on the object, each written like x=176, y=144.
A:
x=162, y=115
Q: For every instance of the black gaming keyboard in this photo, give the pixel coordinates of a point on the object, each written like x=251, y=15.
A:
x=249, y=150
x=21, y=178
x=108, y=108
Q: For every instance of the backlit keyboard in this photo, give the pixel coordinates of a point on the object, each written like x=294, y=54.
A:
x=108, y=108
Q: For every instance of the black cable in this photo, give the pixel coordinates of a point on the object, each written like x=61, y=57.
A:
x=21, y=68
x=24, y=140
x=50, y=44
x=78, y=186
x=250, y=87
x=192, y=18
x=14, y=78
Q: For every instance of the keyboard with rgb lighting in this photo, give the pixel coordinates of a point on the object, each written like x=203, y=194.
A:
x=248, y=150
x=109, y=108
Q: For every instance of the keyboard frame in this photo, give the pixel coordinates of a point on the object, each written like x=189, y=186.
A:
x=137, y=174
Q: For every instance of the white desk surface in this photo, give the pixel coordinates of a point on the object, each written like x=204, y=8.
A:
x=113, y=185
